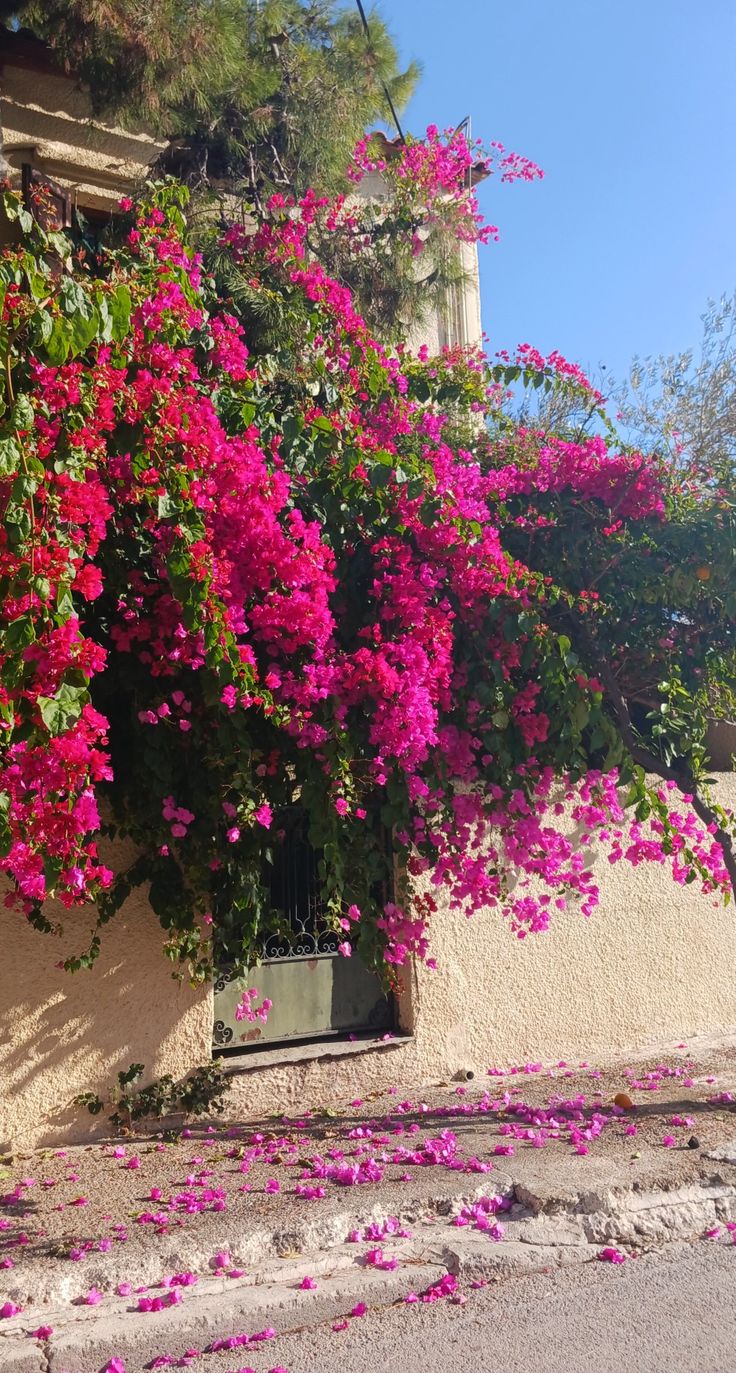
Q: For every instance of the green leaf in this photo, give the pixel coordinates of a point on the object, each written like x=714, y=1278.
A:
x=22, y=413
x=60, y=712
x=580, y=714
x=74, y=300
x=105, y=320
x=64, y=602
x=84, y=329
x=20, y=632
x=380, y=477
x=58, y=342
x=120, y=304
x=10, y=457
x=43, y=323
x=167, y=506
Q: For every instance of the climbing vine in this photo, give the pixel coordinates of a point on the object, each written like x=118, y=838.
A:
x=330, y=575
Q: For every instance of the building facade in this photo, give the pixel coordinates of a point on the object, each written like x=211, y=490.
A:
x=47, y=126
x=655, y=961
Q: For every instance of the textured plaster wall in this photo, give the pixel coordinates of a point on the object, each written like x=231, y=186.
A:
x=656, y=961
x=46, y=120
x=61, y=1034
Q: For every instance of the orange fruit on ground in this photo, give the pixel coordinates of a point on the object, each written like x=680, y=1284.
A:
x=703, y=574
x=623, y=1100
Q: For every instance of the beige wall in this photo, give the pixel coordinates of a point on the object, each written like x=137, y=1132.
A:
x=46, y=120
x=460, y=321
x=61, y=1034
x=655, y=961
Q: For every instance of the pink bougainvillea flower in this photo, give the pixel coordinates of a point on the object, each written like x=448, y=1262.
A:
x=230, y=602
x=9, y=1309
x=88, y=582
x=359, y=1309
x=307, y=1284
x=611, y=1255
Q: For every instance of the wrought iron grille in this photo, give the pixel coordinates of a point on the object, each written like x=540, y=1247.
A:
x=315, y=991
x=295, y=890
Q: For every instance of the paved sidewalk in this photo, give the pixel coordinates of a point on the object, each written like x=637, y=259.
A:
x=144, y=1249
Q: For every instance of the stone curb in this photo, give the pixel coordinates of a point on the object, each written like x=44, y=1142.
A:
x=543, y=1231
x=633, y=1216
x=84, y=1339
x=22, y=1356
x=258, y=1250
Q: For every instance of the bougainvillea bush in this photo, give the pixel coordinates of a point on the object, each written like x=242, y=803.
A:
x=332, y=577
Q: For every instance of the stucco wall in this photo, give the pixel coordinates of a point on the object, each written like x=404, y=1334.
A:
x=656, y=961
x=46, y=120
x=61, y=1034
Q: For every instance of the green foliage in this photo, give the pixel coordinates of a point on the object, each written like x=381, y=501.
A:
x=254, y=94
x=561, y=582
x=201, y=1092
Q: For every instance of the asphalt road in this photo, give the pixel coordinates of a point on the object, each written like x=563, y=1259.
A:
x=667, y=1313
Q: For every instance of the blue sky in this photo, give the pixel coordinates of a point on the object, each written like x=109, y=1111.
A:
x=630, y=108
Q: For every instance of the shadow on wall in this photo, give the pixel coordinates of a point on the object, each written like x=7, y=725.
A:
x=62, y=1033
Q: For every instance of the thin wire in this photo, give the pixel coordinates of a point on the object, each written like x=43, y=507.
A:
x=386, y=91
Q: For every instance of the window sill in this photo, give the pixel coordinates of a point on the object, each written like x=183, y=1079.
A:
x=282, y=1054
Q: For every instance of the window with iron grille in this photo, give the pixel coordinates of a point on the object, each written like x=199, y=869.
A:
x=316, y=992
